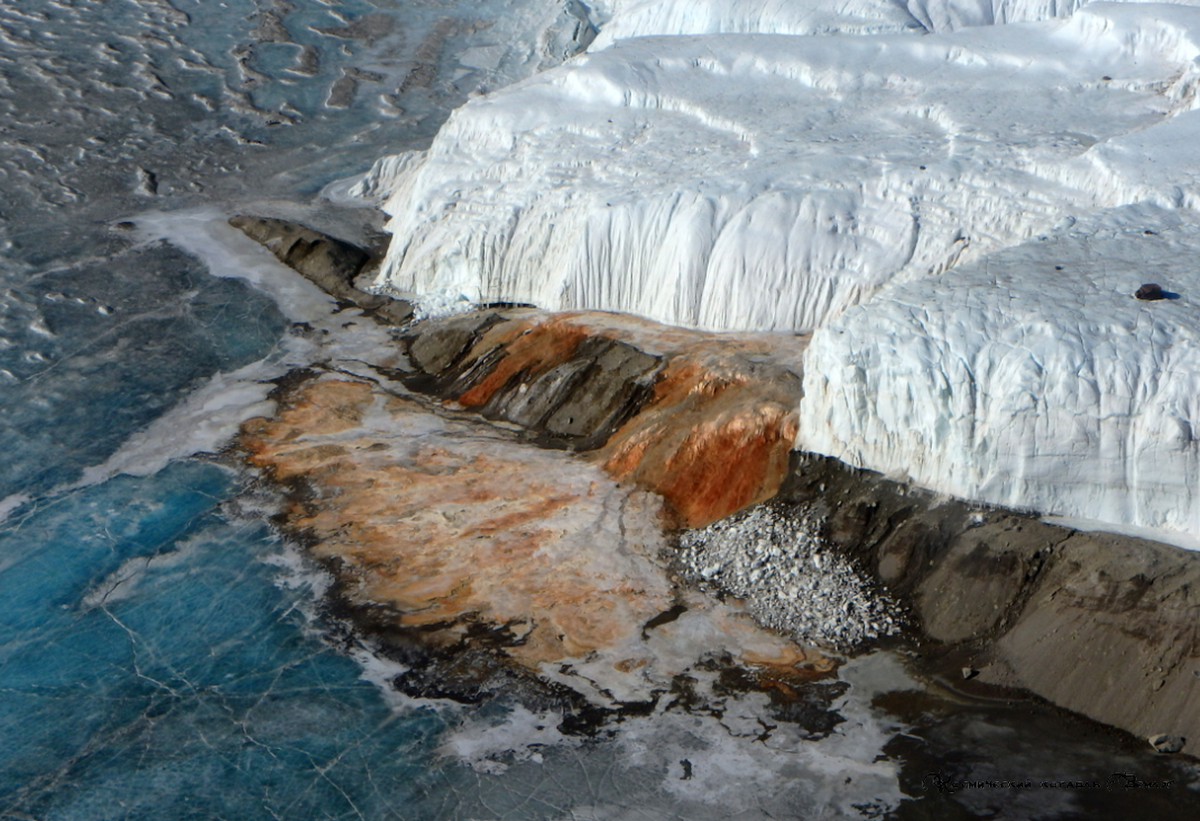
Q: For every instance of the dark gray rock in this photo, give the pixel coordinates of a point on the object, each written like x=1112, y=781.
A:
x=438, y=344
x=529, y=403
x=566, y=397
x=1150, y=291
x=602, y=397
x=329, y=263
x=392, y=311
x=326, y=261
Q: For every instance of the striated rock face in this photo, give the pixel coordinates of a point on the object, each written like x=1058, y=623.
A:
x=1100, y=624
x=705, y=420
x=487, y=560
x=330, y=263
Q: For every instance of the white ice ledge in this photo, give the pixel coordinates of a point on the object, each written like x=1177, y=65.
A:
x=1032, y=378
x=769, y=182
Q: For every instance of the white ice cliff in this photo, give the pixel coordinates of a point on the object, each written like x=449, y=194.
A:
x=642, y=18
x=834, y=166
x=1031, y=378
x=769, y=182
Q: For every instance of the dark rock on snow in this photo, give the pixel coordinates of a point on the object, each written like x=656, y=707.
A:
x=1166, y=743
x=329, y=263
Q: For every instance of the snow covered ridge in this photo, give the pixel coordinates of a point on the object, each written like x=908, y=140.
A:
x=640, y=18
x=1032, y=378
x=770, y=182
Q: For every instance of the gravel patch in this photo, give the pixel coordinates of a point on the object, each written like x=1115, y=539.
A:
x=792, y=581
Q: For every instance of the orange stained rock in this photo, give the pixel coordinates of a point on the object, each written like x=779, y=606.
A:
x=714, y=436
x=446, y=523
x=529, y=345
x=711, y=441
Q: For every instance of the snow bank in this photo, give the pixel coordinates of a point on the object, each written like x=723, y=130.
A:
x=641, y=18
x=645, y=18
x=1031, y=378
x=767, y=182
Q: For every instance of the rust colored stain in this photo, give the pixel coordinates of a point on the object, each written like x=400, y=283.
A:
x=534, y=347
x=444, y=535
x=442, y=531
x=712, y=440
x=723, y=467
x=714, y=435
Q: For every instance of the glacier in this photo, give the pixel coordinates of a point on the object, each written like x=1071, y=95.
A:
x=1031, y=378
x=768, y=182
x=956, y=199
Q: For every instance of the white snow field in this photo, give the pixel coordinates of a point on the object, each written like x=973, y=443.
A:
x=902, y=179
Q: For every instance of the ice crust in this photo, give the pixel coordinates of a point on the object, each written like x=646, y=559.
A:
x=642, y=18
x=905, y=184
x=1012, y=382
x=770, y=182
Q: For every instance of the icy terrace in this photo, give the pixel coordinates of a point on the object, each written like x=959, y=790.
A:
x=959, y=211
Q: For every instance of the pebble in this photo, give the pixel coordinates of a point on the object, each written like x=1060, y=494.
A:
x=773, y=557
x=1164, y=743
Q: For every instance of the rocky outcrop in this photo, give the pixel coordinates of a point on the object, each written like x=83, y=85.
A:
x=1100, y=624
x=705, y=420
x=327, y=262
x=460, y=545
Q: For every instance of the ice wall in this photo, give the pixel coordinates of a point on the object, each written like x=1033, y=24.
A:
x=645, y=18
x=770, y=182
x=961, y=216
x=642, y=18
x=1031, y=378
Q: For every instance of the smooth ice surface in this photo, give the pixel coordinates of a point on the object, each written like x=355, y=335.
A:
x=95, y=357
x=1031, y=378
x=751, y=181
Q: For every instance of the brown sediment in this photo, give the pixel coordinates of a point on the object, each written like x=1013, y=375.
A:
x=1100, y=624
x=446, y=526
